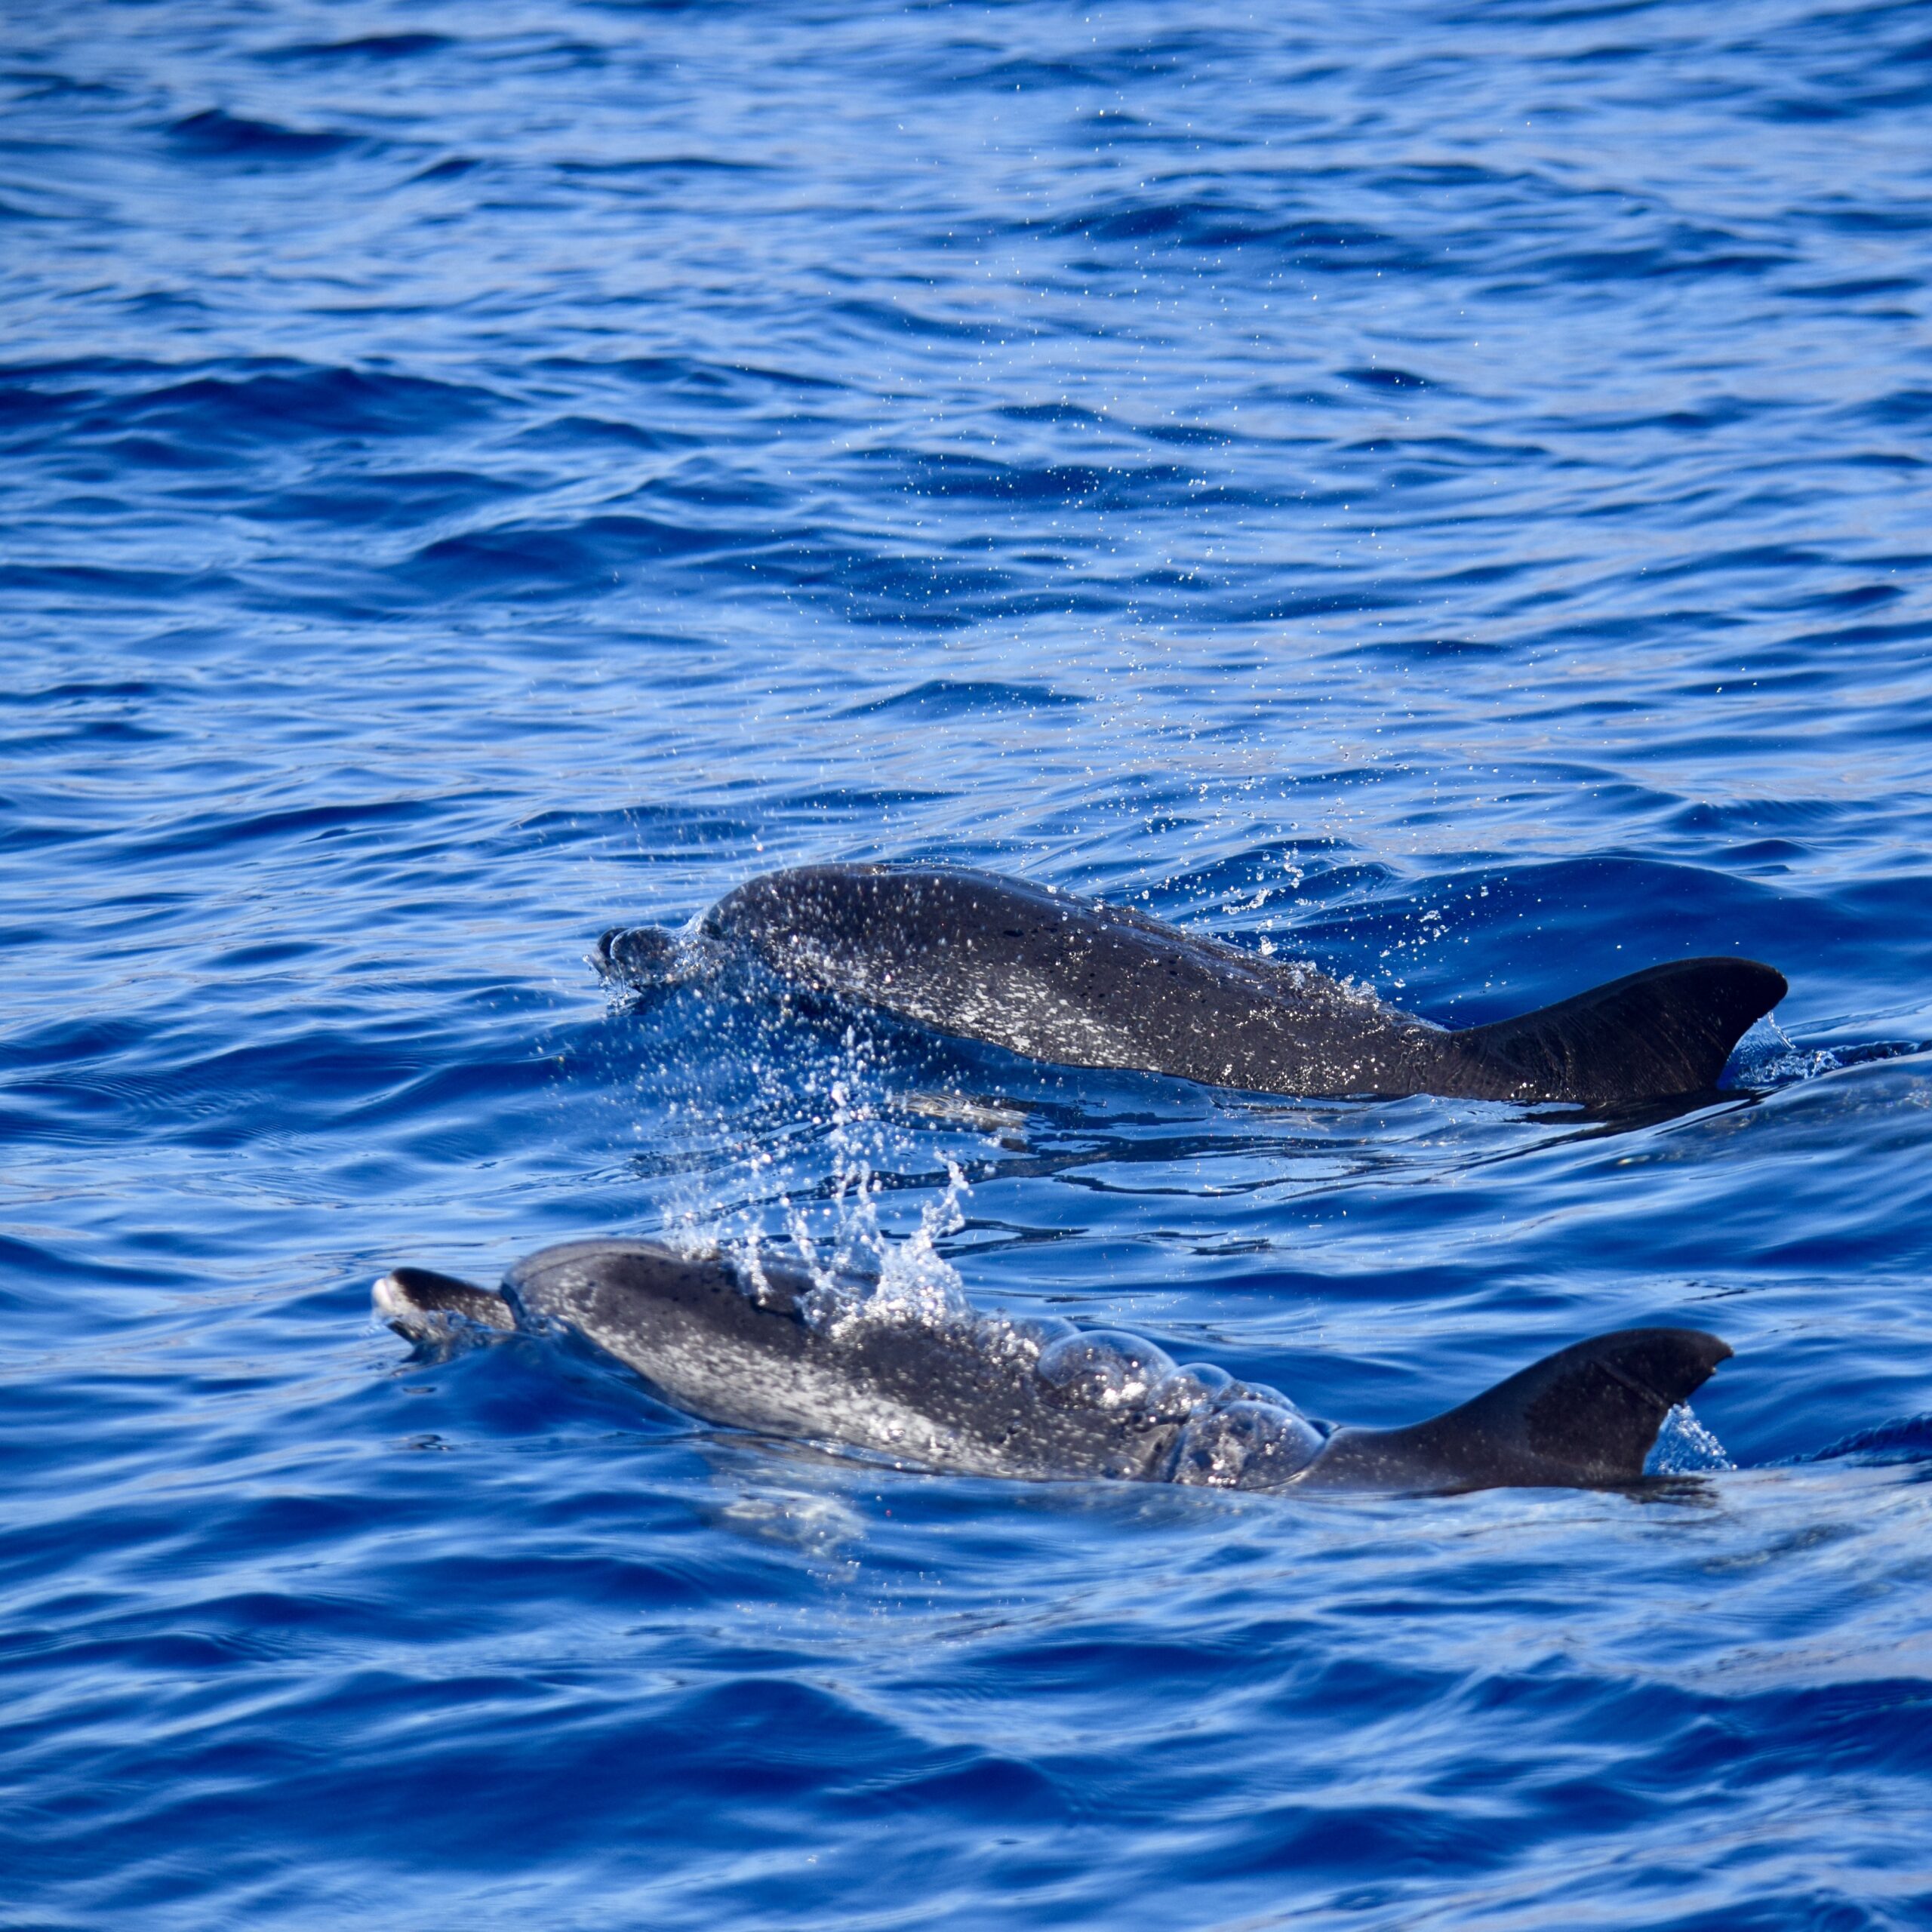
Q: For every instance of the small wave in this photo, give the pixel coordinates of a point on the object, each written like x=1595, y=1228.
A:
x=574, y=433
x=947, y=474
x=1388, y=379
x=1901, y=408
x=1686, y=255
x=1736, y=817
x=1203, y=224
x=366, y=47
x=222, y=831
x=1017, y=74
x=271, y=401
x=553, y=561
x=1852, y=288
x=721, y=380
x=82, y=689
x=647, y=165
x=1907, y=1440
x=215, y=131
x=959, y=697
x=1051, y=412
x=652, y=825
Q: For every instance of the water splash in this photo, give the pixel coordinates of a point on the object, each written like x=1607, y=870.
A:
x=1768, y=1056
x=1684, y=1446
x=808, y=1169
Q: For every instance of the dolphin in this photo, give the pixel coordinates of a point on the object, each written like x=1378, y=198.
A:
x=757, y=1346
x=1062, y=978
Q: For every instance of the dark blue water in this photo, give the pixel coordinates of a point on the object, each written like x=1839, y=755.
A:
x=1442, y=488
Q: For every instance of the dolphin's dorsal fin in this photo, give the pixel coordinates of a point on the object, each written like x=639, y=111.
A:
x=1667, y=1030
x=1585, y=1418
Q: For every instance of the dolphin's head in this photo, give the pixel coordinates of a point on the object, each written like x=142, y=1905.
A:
x=427, y=1306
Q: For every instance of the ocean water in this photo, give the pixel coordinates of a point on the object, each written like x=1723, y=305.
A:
x=1442, y=489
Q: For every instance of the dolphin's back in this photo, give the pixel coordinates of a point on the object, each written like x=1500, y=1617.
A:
x=1067, y=979
x=1070, y=980
x=717, y=1341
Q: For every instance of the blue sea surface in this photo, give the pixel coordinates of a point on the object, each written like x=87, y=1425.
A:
x=1442, y=489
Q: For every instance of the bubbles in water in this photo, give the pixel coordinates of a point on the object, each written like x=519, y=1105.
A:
x=819, y=1525
x=1243, y=1445
x=1028, y=1336
x=1102, y=1370
x=1189, y=1390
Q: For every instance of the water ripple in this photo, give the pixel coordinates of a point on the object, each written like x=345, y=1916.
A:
x=1433, y=490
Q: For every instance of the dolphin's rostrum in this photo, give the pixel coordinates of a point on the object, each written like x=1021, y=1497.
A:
x=1067, y=979
x=752, y=1348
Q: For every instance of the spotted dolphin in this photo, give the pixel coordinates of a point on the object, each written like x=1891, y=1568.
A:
x=757, y=1348
x=1066, y=979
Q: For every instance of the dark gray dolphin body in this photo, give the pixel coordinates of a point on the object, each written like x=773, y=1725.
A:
x=1044, y=1400
x=1066, y=979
